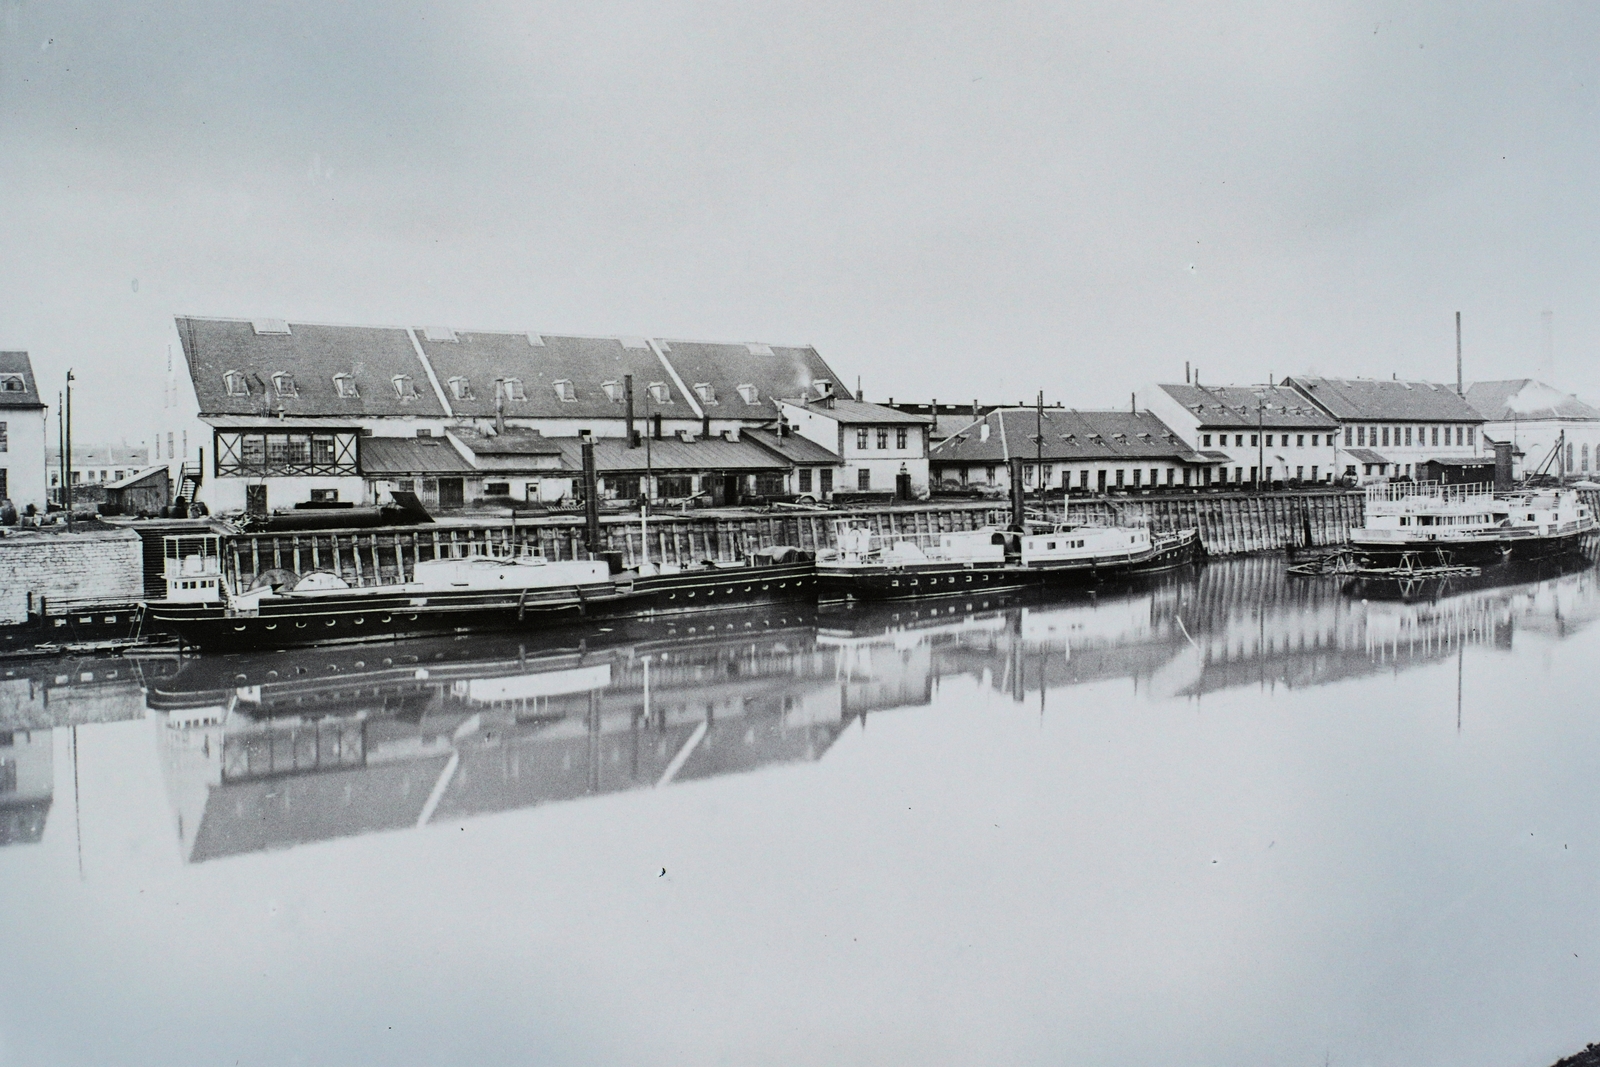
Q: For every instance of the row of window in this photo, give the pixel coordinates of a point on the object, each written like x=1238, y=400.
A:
x=344, y=385
x=1401, y=436
x=1283, y=440
x=882, y=435
x=1136, y=477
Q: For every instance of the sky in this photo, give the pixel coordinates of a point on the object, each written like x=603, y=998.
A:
x=951, y=200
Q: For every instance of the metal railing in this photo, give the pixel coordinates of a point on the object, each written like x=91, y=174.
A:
x=1390, y=491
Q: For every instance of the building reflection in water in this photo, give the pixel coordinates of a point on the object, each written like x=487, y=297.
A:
x=267, y=751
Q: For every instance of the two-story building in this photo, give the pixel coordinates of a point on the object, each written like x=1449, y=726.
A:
x=1252, y=435
x=1084, y=451
x=1389, y=428
x=1534, y=418
x=290, y=406
x=879, y=449
x=22, y=434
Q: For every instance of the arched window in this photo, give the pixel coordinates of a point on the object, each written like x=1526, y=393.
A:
x=1570, y=466
x=1584, y=453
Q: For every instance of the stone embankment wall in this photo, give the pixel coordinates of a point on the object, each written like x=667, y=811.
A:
x=1229, y=524
x=91, y=564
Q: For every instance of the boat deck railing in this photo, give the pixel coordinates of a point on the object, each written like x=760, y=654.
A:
x=1395, y=491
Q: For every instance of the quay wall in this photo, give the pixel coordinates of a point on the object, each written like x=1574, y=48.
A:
x=99, y=563
x=1229, y=524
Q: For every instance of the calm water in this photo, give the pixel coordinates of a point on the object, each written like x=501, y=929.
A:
x=1228, y=818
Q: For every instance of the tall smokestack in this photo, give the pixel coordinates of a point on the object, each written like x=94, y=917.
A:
x=1458, y=354
x=627, y=398
x=1185, y=372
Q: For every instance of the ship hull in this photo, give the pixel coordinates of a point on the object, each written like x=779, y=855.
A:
x=344, y=617
x=1492, y=549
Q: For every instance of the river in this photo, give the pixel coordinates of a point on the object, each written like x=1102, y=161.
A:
x=1225, y=817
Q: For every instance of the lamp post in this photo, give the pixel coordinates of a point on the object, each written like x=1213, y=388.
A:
x=66, y=452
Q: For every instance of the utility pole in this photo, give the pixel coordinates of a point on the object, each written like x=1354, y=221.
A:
x=66, y=453
x=61, y=444
x=1261, y=448
x=1038, y=439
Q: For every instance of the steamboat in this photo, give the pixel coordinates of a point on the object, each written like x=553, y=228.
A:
x=1411, y=524
x=486, y=590
x=867, y=565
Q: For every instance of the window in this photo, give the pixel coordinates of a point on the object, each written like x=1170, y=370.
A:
x=1348, y=432
x=803, y=477
x=1252, y=440
x=424, y=431
x=659, y=392
x=823, y=386
x=614, y=390
x=406, y=485
x=1408, y=435
x=1314, y=441
x=1027, y=474
x=1205, y=440
x=1471, y=434
x=1153, y=476
x=863, y=479
x=496, y=488
x=988, y=475
x=1268, y=441
x=5, y=440
x=1361, y=436
x=1313, y=473
x=705, y=392
x=460, y=388
x=1119, y=477
x=1253, y=477
x=1138, y=477
x=1300, y=440
x=12, y=383
x=900, y=438
x=748, y=394
x=235, y=384
x=1386, y=435
x=404, y=388
x=1570, y=467
x=283, y=384
x=345, y=386
x=511, y=389
x=324, y=496
x=564, y=390
x=1170, y=472
x=1100, y=479
x=861, y=438
x=883, y=437
x=1238, y=475
x=1238, y=440
x=240, y=454
x=1083, y=478
x=825, y=482
x=1299, y=474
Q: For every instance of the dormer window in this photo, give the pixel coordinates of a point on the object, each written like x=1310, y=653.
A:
x=705, y=392
x=613, y=390
x=404, y=387
x=345, y=386
x=660, y=393
x=748, y=394
x=12, y=383
x=460, y=388
x=564, y=390
x=511, y=389
x=283, y=384
x=823, y=387
x=236, y=384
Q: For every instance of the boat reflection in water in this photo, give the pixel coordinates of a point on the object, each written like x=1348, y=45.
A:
x=269, y=750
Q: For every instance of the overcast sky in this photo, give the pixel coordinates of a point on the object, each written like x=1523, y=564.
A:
x=956, y=201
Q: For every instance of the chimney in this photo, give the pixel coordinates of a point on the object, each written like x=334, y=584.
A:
x=627, y=398
x=499, y=406
x=975, y=410
x=705, y=424
x=783, y=428
x=1458, y=355
x=658, y=426
x=1185, y=372
x=860, y=396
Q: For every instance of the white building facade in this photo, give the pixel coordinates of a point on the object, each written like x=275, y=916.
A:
x=1249, y=435
x=1534, y=418
x=22, y=434
x=876, y=445
x=1389, y=428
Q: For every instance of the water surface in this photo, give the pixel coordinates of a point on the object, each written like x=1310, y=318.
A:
x=1221, y=818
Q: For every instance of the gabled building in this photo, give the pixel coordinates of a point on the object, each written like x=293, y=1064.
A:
x=22, y=434
x=1251, y=435
x=880, y=450
x=1390, y=428
x=293, y=405
x=1532, y=417
x=1084, y=451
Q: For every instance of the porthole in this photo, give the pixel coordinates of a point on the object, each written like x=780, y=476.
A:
x=300, y=625
x=331, y=622
x=728, y=590
x=238, y=629
x=384, y=619
x=672, y=596
x=412, y=618
x=691, y=593
x=360, y=621
x=271, y=626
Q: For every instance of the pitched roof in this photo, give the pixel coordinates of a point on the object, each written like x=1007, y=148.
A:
x=672, y=453
x=1364, y=455
x=1068, y=436
x=730, y=373
x=372, y=355
x=1525, y=399
x=1355, y=399
x=14, y=365
x=515, y=441
x=858, y=412
x=136, y=477
x=410, y=455
x=793, y=447
x=542, y=362
x=1234, y=407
